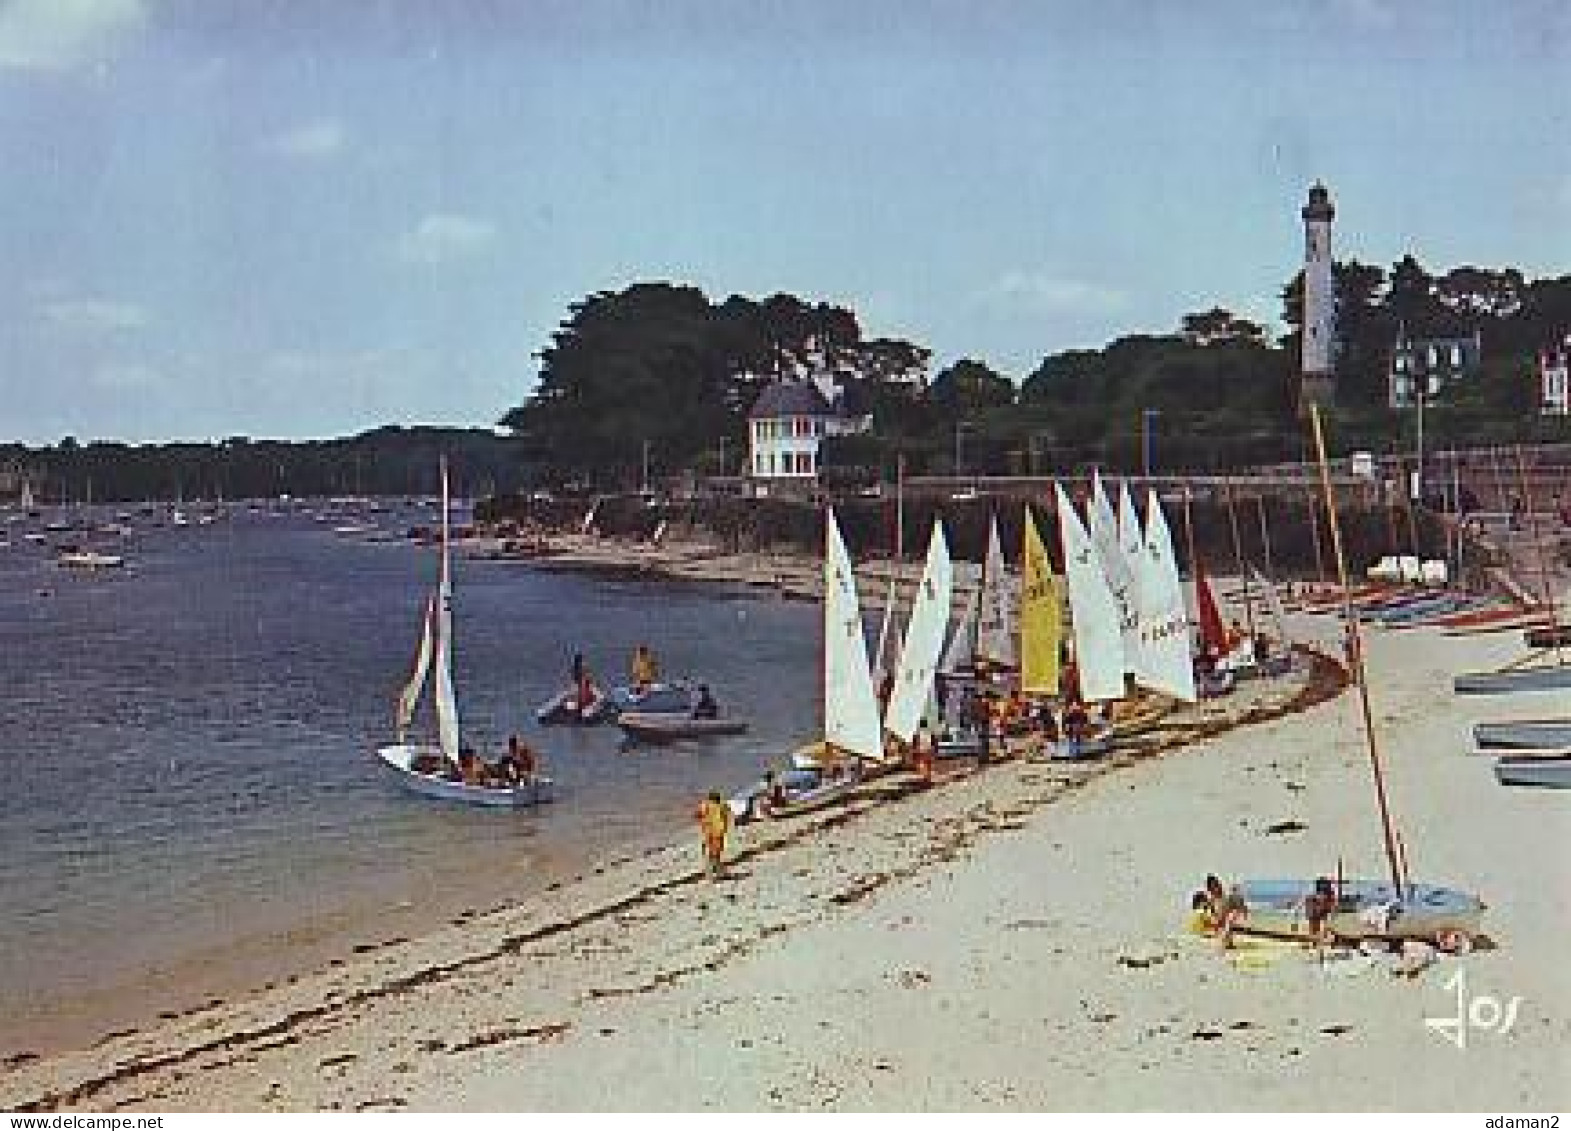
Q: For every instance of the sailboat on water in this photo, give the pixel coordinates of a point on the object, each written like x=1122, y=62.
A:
x=432, y=768
x=1360, y=908
x=852, y=732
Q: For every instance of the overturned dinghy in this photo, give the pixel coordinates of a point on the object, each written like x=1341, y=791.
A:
x=1365, y=909
x=1513, y=681
x=1524, y=734
x=1551, y=771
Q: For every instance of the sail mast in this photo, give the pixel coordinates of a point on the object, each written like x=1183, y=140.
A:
x=1356, y=657
x=1238, y=558
x=447, y=728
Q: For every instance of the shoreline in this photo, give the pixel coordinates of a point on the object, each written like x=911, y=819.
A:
x=607, y=891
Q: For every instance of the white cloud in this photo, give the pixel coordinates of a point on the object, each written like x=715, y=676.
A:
x=60, y=35
x=444, y=237
x=1040, y=292
x=94, y=316
x=312, y=141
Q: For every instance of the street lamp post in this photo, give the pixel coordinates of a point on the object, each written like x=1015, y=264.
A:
x=1146, y=415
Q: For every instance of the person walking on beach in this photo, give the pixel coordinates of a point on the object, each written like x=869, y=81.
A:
x=714, y=824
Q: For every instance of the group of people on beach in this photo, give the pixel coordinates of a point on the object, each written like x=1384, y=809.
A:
x=1221, y=911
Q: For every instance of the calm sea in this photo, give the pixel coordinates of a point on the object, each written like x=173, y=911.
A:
x=191, y=803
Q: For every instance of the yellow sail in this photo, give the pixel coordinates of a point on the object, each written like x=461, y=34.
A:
x=1041, y=616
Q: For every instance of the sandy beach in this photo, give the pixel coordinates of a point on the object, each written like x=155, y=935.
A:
x=1011, y=940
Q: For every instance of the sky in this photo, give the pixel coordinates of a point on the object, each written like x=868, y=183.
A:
x=308, y=218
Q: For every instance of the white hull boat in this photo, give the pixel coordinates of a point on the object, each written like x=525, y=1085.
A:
x=1512, y=681
x=1524, y=734
x=1365, y=909
x=1549, y=772
x=400, y=758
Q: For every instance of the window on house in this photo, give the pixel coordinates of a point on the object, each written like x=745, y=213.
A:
x=1434, y=357
x=1456, y=357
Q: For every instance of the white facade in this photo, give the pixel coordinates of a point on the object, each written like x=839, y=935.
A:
x=788, y=424
x=1319, y=344
x=786, y=447
x=1554, y=380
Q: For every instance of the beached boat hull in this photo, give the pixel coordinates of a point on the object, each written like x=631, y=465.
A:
x=669, y=726
x=1553, y=772
x=399, y=758
x=804, y=791
x=1524, y=734
x=1550, y=637
x=1513, y=681
x=1367, y=909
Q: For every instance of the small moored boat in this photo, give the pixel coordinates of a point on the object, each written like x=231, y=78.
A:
x=668, y=726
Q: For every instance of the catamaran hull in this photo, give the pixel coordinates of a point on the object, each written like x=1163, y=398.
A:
x=1546, y=773
x=1524, y=734
x=1513, y=682
x=1367, y=909
x=398, y=759
x=668, y=726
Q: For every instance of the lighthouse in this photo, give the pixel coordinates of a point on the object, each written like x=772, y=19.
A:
x=1318, y=384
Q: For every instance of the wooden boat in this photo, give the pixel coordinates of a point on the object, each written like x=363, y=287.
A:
x=1524, y=734
x=1552, y=772
x=430, y=769
x=668, y=726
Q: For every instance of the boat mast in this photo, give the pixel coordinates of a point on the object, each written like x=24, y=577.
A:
x=1543, y=559
x=1238, y=558
x=1356, y=656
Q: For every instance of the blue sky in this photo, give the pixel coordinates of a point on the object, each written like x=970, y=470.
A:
x=308, y=218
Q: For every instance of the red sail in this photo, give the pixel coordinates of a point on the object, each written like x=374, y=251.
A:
x=1213, y=634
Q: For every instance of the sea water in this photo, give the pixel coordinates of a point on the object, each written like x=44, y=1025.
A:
x=192, y=806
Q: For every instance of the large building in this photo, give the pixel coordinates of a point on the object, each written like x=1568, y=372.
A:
x=1425, y=366
x=1554, y=379
x=1318, y=368
x=787, y=424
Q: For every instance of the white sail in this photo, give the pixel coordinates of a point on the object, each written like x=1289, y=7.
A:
x=924, y=640
x=1099, y=644
x=888, y=632
x=1132, y=549
x=28, y=502
x=409, y=698
x=1117, y=569
x=961, y=652
x=446, y=702
x=995, y=630
x=1166, y=663
x=850, y=705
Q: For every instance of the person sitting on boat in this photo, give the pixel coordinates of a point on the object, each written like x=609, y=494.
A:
x=705, y=707
x=1319, y=906
x=1234, y=638
x=520, y=762
x=645, y=668
x=470, y=768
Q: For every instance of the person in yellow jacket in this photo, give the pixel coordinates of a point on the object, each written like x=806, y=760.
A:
x=645, y=669
x=714, y=824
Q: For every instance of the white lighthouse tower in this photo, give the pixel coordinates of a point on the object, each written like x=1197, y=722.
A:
x=1319, y=357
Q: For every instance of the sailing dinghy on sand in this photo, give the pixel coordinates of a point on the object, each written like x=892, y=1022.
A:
x=1096, y=622
x=431, y=768
x=1394, y=909
x=831, y=768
